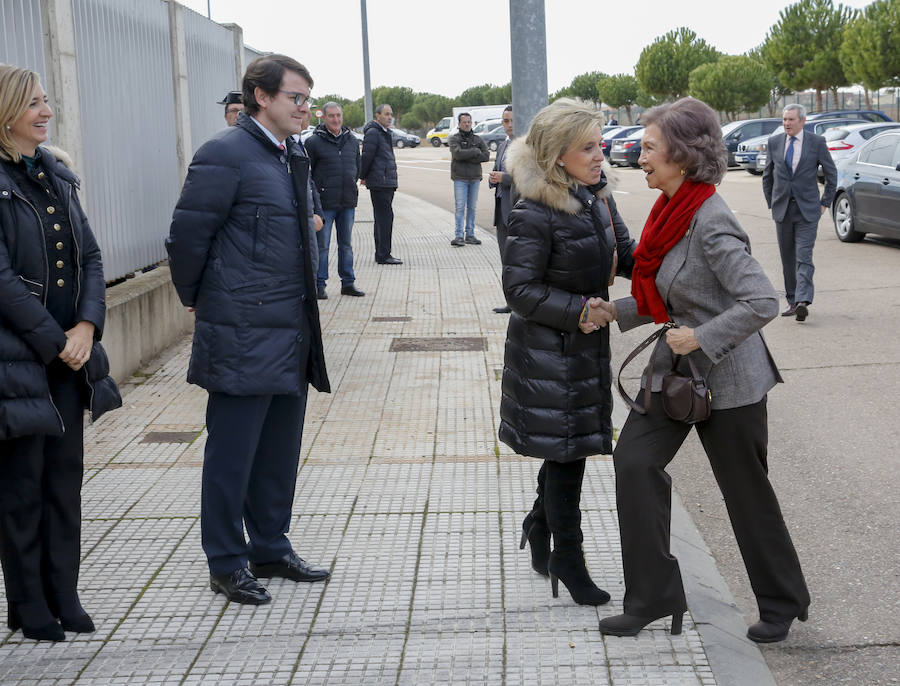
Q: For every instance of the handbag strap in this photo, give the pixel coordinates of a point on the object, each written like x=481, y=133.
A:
x=695, y=373
x=634, y=353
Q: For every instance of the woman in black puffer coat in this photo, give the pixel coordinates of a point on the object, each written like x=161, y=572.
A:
x=565, y=240
x=52, y=309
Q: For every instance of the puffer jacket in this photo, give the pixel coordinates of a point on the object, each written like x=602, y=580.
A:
x=378, y=167
x=239, y=255
x=30, y=338
x=334, y=165
x=556, y=399
x=467, y=152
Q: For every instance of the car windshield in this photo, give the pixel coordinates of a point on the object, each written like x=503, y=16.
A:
x=731, y=126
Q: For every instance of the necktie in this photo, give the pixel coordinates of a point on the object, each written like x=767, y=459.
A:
x=789, y=156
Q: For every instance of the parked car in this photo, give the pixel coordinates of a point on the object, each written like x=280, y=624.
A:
x=486, y=125
x=493, y=136
x=733, y=133
x=404, y=139
x=868, y=191
x=845, y=141
x=616, y=132
x=748, y=152
x=627, y=150
x=862, y=115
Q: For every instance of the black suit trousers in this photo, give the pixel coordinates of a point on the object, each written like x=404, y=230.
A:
x=249, y=476
x=735, y=441
x=382, y=207
x=40, y=503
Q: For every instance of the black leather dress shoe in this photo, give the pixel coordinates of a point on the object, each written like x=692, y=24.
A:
x=352, y=290
x=292, y=567
x=802, y=311
x=502, y=310
x=790, y=311
x=390, y=259
x=321, y=294
x=240, y=587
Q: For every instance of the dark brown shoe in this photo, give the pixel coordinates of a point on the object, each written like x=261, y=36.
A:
x=790, y=311
x=292, y=567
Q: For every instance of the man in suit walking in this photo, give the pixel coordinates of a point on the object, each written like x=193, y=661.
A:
x=504, y=193
x=792, y=193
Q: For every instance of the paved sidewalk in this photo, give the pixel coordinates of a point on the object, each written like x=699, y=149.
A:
x=404, y=491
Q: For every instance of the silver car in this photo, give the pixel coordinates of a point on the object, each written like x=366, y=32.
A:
x=845, y=141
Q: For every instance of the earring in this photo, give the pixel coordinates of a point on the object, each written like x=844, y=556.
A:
x=682, y=172
x=561, y=164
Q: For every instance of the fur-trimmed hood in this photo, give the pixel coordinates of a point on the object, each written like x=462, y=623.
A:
x=531, y=183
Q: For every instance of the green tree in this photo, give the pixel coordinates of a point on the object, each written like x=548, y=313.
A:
x=400, y=98
x=777, y=89
x=804, y=46
x=621, y=90
x=584, y=87
x=736, y=83
x=665, y=65
x=411, y=122
x=355, y=114
x=485, y=94
x=564, y=92
x=870, y=50
x=430, y=108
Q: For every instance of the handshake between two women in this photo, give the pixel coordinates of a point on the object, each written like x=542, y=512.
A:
x=597, y=312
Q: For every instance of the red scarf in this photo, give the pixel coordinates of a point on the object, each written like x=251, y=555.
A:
x=668, y=222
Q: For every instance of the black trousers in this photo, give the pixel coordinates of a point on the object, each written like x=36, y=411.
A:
x=735, y=441
x=382, y=207
x=501, y=228
x=249, y=475
x=40, y=505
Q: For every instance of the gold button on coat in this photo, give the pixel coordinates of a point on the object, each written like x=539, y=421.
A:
x=60, y=283
x=51, y=209
x=41, y=175
x=59, y=246
x=57, y=227
x=59, y=264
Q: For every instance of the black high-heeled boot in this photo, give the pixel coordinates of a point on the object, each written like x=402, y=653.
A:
x=562, y=497
x=536, y=533
x=630, y=625
x=72, y=616
x=772, y=632
x=51, y=631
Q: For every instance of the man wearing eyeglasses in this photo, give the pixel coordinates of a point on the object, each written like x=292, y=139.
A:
x=240, y=260
x=233, y=107
x=378, y=173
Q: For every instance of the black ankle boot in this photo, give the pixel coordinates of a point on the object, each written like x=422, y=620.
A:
x=568, y=566
x=536, y=533
x=51, y=631
x=72, y=615
x=630, y=625
x=772, y=632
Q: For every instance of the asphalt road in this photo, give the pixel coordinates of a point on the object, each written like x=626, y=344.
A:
x=834, y=432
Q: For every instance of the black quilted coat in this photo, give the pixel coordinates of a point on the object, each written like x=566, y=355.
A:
x=556, y=394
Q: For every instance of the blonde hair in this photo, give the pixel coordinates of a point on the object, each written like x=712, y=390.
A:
x=16, y=89
x=563, y=124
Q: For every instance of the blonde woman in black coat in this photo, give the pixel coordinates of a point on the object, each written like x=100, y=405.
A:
x=565, y=240
x=52, y=309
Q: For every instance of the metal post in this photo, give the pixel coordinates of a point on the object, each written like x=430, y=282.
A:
x=365, y=50
x=208, y=10
x=528, y=43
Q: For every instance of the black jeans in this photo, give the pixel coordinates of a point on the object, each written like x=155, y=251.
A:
x=40, y=503
x=735, y=441
x=382, y=207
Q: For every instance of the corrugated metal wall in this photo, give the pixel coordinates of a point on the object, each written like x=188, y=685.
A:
x=21, y=39
x=131, y=179
x=211, y=74
x=250, y=54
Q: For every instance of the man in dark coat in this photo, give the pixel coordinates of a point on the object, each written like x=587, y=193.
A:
x=233, y=106
x=334, y=164
x=240, y=258
x=467, y=152
x=378, y=173
x=504, y=192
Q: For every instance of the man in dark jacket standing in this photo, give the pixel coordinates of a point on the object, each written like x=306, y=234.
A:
x=467, y=152
x=334, y=165
x=240, y=258
x=378, y=173
x=504, y=193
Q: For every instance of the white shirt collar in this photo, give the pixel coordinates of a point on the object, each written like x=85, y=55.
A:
x=799, y=137
x=269, y=134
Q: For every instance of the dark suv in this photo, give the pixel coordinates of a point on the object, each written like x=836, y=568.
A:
x=862, y=115
x=736, y=132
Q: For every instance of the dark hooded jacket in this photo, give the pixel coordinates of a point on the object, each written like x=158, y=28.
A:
x=378, y=167
x=334, y=165
x=556, y=399
x=30, y=338
x=239, y=254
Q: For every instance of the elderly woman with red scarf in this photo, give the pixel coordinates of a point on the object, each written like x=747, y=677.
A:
x=693, y=268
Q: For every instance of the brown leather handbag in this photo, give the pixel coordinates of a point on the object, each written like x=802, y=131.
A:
x=685, y=399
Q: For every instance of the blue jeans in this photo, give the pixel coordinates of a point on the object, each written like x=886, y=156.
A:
x=466, y=194
x=343, y=219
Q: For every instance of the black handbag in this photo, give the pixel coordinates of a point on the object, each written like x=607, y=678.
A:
x=685, y=399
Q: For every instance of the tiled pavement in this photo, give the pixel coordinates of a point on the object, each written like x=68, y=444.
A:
x=403, y=490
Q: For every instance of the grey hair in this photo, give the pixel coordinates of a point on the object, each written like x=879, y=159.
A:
x=331, y=105
x=380, y=108
x=801, y=110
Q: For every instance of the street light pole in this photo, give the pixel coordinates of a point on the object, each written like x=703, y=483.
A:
x=208, y=11
x=365, y=50
x=528, y=42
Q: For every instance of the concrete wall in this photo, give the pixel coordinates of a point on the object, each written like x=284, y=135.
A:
x=143, y=318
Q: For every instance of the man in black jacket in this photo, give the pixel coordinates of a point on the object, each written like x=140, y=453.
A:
x=467, y=152
x=334, y=165
x=378, y=173
x=240, y=259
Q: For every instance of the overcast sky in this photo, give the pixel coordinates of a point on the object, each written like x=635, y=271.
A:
x=445, y=47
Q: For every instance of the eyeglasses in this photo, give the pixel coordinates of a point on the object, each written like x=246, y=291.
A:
x=299, y=99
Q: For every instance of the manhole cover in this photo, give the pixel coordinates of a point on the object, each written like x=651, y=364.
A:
x=391, y=319
x=416, y=345
x=169, y=436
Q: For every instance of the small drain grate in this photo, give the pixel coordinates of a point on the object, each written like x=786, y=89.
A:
x=169, y=436
x=391, y=319
x=417, y=345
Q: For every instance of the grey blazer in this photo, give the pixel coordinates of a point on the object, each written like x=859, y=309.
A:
x=505, y=189
x=710, y=282
x=779, y=185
